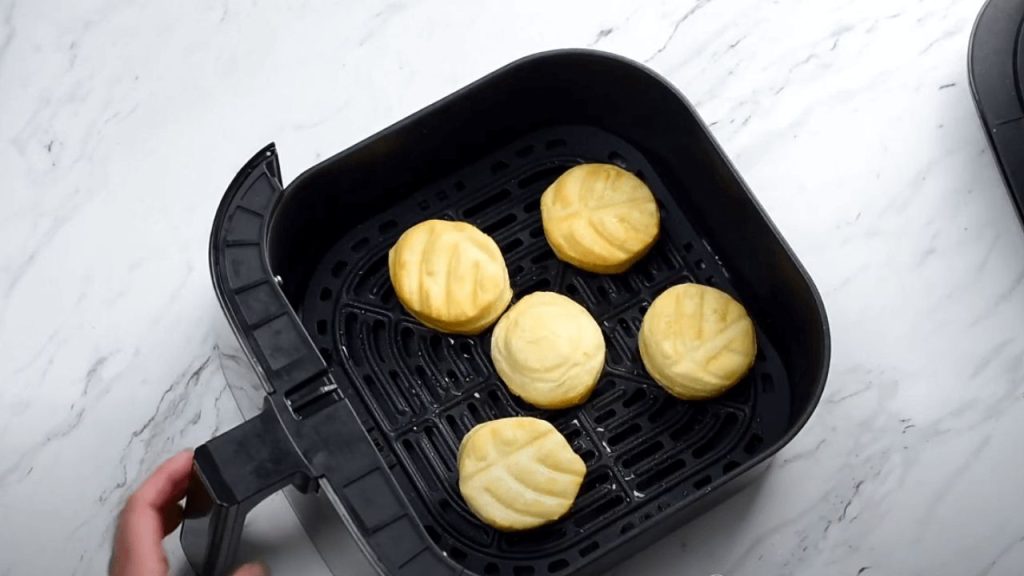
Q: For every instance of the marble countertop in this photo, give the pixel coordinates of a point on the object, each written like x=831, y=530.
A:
x=121, y=123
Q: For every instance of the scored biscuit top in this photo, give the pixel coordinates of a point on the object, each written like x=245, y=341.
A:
x=697, y=335
x=548, y=349
x=518, y=473
x=501, y=441
x=449, y=273
x=517, y=443
x=599, y=212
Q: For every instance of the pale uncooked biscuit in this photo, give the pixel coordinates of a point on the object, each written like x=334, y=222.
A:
x=599, y=217
x=548, y=350
x=696, y=341
x=450, y=276
x=518, y=473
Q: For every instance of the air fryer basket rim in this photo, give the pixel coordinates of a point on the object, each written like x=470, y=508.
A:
x=825, y=336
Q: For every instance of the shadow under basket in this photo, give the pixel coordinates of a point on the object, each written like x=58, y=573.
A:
x=367, y=407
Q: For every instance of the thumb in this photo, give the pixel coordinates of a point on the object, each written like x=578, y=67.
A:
x=252, y=569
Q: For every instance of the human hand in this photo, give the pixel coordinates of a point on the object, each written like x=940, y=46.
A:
x=151, y=513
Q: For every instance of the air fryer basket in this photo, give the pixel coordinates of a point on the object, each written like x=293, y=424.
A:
x=370, y=406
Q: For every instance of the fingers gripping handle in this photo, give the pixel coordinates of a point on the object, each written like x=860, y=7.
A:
x=231, y=474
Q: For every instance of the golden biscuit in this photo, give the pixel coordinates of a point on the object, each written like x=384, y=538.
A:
x=599, y=217
x=548, y=350
x=518, y=473
x=450, y=276
x=696, y=341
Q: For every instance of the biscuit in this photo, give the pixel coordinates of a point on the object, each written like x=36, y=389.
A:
x=600, y=218
x=696, y=341
x=518, y=473
x=450, y=276
x=548, y=350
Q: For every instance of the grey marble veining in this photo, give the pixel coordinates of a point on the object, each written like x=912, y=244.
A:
x=121, y=123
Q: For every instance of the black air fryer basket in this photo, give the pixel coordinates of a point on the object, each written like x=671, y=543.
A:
x=368, y=406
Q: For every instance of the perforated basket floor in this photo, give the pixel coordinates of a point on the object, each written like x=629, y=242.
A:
x=418, y=391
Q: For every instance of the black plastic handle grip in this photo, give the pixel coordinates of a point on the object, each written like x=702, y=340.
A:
x=308, y=435
x=231, y=474
x=235, y=471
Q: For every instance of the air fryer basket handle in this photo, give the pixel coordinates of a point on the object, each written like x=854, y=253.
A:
x=231, y=474
x=235, y=471
x=271, y=335
x=308, y=434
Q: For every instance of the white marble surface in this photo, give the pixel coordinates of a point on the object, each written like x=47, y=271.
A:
x=122, y=122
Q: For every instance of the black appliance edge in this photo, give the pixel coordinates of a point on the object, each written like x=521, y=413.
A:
x=994, y=67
